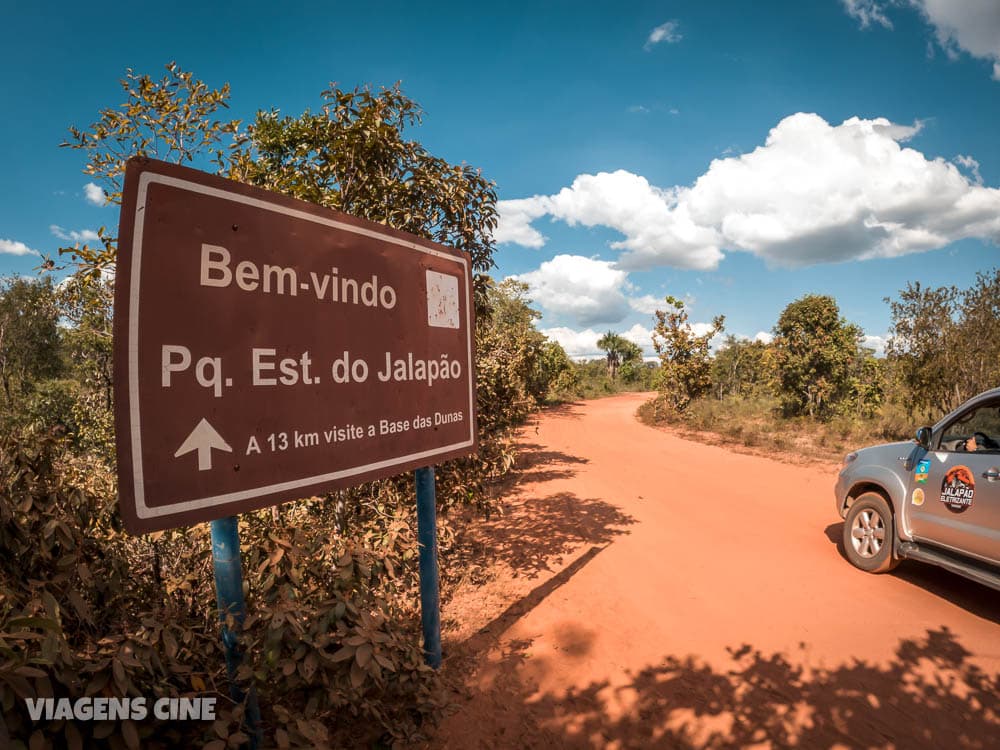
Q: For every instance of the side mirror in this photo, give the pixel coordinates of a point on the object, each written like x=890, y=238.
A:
x=924, y=438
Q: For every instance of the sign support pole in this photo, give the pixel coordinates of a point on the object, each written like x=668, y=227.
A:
x=229, y=598
x=430, y=613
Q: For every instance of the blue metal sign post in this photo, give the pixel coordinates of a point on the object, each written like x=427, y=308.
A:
x=430, y=613
x=229, y=598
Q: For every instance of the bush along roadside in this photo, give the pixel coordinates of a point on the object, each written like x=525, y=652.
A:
x=331, y=640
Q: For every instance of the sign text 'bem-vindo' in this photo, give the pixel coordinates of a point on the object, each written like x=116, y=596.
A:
x=267, y=348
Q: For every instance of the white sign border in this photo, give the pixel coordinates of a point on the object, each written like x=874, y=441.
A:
x=144, y=511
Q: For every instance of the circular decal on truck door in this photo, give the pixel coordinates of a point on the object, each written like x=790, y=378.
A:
x=958, y=489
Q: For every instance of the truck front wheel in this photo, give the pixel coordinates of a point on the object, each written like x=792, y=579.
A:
x=868, y=534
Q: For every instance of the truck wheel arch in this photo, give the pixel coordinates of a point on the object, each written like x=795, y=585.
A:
x=861, y=488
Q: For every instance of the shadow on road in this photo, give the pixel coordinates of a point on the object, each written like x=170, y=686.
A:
x=490, y=633
x=569, y=410
x=538, y=534
x=536, y=464
x=971, y=596
x=930, y=695
x=835, y=533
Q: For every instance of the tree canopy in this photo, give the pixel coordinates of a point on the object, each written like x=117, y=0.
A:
x=331, y=580
x=814, y=352
x=944, y=345
x=352, y=155
x=685, y=357
x=29, y=334
x=618, y=351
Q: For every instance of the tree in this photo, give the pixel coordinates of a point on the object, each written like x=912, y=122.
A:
x=685, y=360
x=815, y=352
x=172, y=119
x=943, y=345
x=561, y=376
x=980, y=341
x=517, y=363
x=618, y=351
x=85, y=304
x=742, y=368
x=632, y=365
x=29, y=335
x=352, y=156
x=921, y=346
x=867, y=384
x=553, y=370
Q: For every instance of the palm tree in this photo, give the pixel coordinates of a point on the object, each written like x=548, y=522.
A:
x=618, y=350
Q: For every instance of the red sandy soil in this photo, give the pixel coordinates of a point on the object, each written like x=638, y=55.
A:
x=647, y=591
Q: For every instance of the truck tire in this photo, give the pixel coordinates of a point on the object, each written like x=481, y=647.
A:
x=869, y=531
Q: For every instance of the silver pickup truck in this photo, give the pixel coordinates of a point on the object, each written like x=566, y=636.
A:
x=936, y=499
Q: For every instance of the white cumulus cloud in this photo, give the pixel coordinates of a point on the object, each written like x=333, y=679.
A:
x=868, y=12
x=93, y=194
x=641, y=336
x=514, y=221
x=13, y=247
x=582, y=344
x=816, y=193
x=578, y=344
x=764, y=337
x=971, y=26
x=84, y=235
x=813, y=193
x=665, y=32
x=972, y=165
x=876, y=342
x=650, y=218
x=647, y=304
x=591, y=291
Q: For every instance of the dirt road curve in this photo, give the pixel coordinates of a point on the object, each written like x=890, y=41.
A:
x=655, y=592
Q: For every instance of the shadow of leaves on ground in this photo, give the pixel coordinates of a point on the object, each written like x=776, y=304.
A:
x=567, y=410
x=929, y=696
x=538, y=535
x=536, y=464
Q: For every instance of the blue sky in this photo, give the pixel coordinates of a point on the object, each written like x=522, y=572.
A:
x=735, y=154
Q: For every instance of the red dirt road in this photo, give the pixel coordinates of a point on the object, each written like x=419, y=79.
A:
x=655, y=592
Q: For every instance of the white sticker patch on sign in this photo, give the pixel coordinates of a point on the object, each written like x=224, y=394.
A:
x=442, y=300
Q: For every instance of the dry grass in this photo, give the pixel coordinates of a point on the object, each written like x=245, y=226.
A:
x=755, y=425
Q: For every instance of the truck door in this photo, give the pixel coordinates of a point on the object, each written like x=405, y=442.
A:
x=954, y=490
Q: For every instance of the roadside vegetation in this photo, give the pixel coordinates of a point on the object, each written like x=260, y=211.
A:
x=815, y=390
x=332, y=639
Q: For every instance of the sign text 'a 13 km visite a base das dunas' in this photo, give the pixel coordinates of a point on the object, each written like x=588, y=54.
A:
x=267, y=348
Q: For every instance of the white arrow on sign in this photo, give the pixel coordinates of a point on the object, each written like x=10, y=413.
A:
x=202, y=439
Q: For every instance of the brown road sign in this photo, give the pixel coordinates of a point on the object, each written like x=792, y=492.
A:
x=268, y=349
